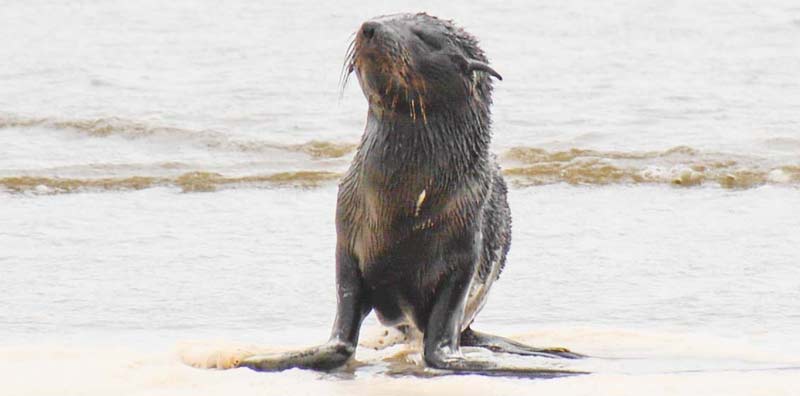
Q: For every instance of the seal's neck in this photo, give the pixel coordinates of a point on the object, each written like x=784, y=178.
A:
x=449, y=139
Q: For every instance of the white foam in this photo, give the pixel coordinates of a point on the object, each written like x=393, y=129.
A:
x=57, y=369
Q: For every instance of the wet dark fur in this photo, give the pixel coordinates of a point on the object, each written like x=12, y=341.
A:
x=422, y=221
x=402, y=252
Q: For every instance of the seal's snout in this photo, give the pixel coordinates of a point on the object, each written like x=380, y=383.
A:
x=418, y=64
x=369, y=28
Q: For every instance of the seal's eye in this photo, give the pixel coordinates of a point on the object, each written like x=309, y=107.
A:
x=429, y=39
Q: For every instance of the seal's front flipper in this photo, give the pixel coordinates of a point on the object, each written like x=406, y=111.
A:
x=323, y=357
x=495, y=343
x=351, y=309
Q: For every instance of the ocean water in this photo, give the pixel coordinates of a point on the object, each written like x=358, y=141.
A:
x=168, y=180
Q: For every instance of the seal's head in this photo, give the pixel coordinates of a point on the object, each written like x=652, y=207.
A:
x=415, y=64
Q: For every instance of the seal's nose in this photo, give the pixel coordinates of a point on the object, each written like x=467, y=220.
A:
x=369, y=28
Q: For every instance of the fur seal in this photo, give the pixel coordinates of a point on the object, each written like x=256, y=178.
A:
x=422, y=220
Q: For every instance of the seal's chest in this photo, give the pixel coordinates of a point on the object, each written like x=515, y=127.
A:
x=397, y=203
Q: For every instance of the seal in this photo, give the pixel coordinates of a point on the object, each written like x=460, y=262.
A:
x=422, y=220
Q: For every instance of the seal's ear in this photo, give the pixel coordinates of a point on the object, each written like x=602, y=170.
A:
x=470, y=65
x=473, y=65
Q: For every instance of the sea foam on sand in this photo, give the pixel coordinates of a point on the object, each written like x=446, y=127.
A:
x=652, y=364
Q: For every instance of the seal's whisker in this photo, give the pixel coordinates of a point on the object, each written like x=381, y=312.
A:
x=347, y=69
x=348, y=65
x=348, y=56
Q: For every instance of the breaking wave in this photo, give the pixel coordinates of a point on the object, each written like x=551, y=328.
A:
x=523, y=166
x=679, y=166
x=213, y=140
x=187, y=182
